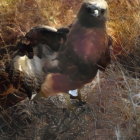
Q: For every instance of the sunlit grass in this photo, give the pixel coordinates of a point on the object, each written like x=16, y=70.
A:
x=125, y=23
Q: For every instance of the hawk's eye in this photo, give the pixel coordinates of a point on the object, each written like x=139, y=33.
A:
x=89, y=9
x=102, y=11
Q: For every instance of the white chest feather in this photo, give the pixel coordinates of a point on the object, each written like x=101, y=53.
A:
x=28, y=66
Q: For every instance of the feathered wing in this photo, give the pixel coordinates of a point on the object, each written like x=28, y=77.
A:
x=38, y=44
x=106, y=58
x=42, y=35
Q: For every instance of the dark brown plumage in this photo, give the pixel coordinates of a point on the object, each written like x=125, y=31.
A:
x=86, y=50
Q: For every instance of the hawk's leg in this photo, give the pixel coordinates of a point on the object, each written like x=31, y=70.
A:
x=74, y=94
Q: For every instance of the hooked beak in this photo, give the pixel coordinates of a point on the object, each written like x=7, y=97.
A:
x=95, y=13
x=94, y=10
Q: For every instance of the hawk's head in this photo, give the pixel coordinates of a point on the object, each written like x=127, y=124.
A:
x=93, y=13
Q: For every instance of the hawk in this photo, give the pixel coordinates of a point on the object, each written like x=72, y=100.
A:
x=86, y=51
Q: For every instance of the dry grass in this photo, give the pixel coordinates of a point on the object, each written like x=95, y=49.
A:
x=115, y=100
x=125, y=25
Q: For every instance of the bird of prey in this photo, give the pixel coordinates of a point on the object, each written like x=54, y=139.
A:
x=66, y=59
x=86, y=51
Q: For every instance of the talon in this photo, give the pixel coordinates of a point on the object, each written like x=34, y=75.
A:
x=81, y=103
x=74, y=94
